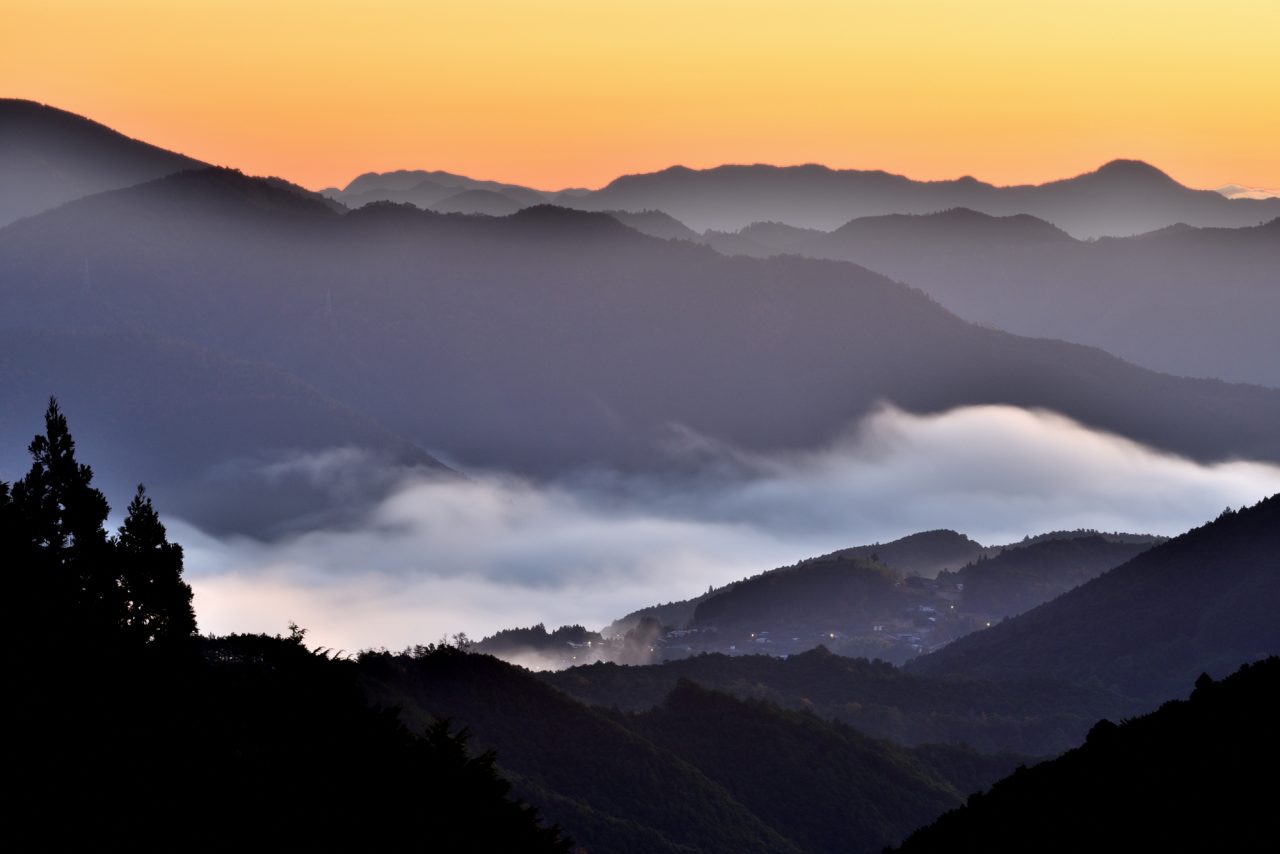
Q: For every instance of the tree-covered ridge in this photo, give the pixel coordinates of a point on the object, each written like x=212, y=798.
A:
x=130, y=732
x=1202, y=602
x=924, y=553
x=891, y=600
x=1018, y=578
x=1032, y=717
x=1192, y=776
x=568, y=646
x=833, y=590
x=536, y=638
x=825, y=786
x=707, y=772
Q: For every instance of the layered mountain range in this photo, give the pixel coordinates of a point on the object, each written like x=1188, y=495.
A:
x=550, y=339
x=553, y=339
x=1123, y=197
x=226, y=338
x=1038, y=684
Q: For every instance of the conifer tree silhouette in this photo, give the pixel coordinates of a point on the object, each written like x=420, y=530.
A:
x=66, y=585
x=73, y=584
x=156, y=606
x=116, y=701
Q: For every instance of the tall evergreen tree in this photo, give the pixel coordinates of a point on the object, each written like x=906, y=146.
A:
x=156, y=606
x=65, y=584
x=72, y=584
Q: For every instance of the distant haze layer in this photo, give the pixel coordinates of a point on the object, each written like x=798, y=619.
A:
x=569, y=93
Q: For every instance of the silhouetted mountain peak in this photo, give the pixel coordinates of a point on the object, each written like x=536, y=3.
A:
x=426, y=189
x=951, y=225
x=552, y=218
x=1168, y=230
x=1132, y=171
x=397, y=179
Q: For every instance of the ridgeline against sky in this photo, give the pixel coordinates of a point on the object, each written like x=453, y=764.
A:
x=569, y=93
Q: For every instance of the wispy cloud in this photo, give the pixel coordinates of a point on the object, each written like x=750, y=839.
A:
x=1236, y=191
x=442, y=556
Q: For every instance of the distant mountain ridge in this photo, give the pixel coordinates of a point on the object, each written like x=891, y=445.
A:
x=1122, y=197
x=445, y=192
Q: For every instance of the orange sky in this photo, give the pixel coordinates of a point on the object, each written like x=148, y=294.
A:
x=556, y=93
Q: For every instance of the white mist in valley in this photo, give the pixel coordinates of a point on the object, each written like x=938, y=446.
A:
x=440, y=556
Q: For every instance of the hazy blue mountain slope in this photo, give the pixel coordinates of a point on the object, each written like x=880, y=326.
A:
x=224, y=441
x=49, y=156
x=552, y=338
x=1189, y=301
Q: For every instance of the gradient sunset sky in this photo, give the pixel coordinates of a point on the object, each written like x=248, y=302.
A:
x=557, y=93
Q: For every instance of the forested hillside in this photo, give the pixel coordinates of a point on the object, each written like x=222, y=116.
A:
x=1204, y=601
x=1190, y=776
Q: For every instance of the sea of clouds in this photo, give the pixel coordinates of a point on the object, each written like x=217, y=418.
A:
x=437, y=556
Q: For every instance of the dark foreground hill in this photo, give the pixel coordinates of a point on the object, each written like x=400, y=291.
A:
x=1033, y=717
x=702, y=772
x=1192, y=776
x=552, y=339
x=1202, y=602
x=129, y=731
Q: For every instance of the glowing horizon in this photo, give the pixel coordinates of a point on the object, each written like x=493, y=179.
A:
x=571, y=93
